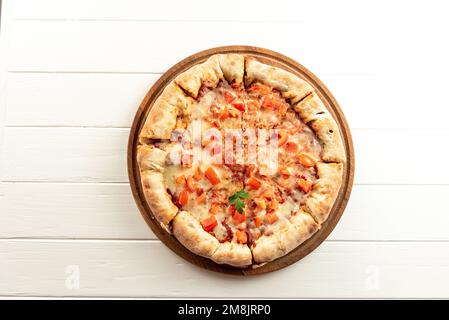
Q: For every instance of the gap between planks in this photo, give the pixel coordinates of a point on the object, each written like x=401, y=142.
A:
x=129, y=240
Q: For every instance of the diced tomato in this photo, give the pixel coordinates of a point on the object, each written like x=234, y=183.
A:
x=212, y=176
x=187, y=160
x=254, y=183
x=214, y=208
x=268, y=103
x=183, y=198
x=241, y=236
x=282, y=137
x=239, y=106
x=257, y=221
x=180, y=180
x=233, y=113
x=256, y=234
x=252, y=105
x=273, y=204
x=224, y=113
x=228, y=96
x=190, y=184
x=201, y=198
x=209, y=223
x=271, y=217
x=304, y=185
x=291, y=147
x=238, y=217
x=259, y=89
x=284, y=172
x=306, y=160
x=198, y=174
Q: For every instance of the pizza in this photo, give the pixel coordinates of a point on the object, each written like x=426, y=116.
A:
x=241, y=161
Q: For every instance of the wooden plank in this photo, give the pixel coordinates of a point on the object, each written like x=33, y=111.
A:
x=99, y=100
x=64, y=210
x=65, y=154
x=148, y=269
x=139, y=46
x=98, y=155
x=107, y=211
x=110, y=100
x=181, y=10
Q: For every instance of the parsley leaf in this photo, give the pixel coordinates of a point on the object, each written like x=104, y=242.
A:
x=235, y=199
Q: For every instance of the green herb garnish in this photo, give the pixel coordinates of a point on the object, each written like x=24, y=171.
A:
x=235, y=199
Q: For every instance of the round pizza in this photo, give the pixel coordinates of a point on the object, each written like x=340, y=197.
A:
x=240, y=160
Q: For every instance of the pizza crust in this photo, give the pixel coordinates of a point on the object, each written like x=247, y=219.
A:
x=190, y=233
x=325, y=190
x=289, y=235
x=161, y=120
x=291, y=86
x=158, y=199
x=233, y=67
x=234, y=254
x=151, y=158
x=310, y=108
x=328, y=133
x=210, y=72
x=207, y=73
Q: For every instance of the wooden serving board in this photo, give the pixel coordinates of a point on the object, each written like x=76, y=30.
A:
x=269, y=57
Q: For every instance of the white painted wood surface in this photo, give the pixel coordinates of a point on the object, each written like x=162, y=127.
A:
x=73, y=72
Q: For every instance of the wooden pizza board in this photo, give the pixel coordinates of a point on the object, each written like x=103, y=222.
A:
x=269, y=57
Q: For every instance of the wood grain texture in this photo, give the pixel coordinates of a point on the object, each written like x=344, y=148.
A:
x=98, y=155
x=109, y=100
x=107, y=211
x=271, y=58
x=129, y=269
x=385, y=62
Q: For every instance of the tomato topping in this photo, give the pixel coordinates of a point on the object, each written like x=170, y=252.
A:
x=252, y=104
x=304, y=185
x=259, y=89
x=291, y=147
x=224, y=114
x=212, y=176
x=256, y=234
x=187, y=160
x=239, y=106
x=284, y=172
x=271, y=217
x=282, y=137
x=201, y=198
x=228, y=96
x=268, y=103
x=238, y=217
x=198, y=174
x=241, y=236
x=190, y=184
x=233, y=113
x=214, y=208
x=181, y=180
x=257, y=221
x=254, y=183
x=183, y=198
x=306, y=160
x=209, y=223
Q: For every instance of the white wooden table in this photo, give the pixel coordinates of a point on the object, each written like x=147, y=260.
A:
x=73, y=73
